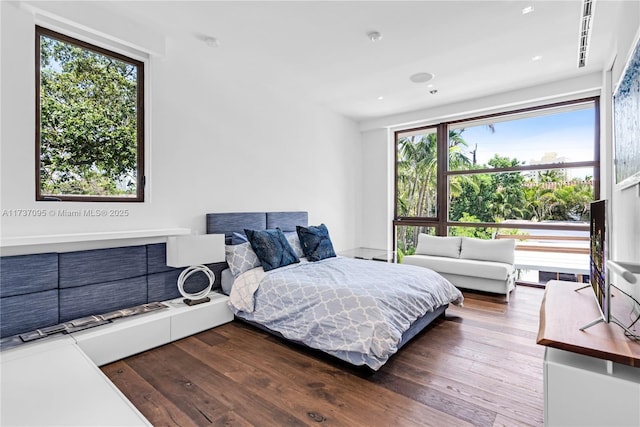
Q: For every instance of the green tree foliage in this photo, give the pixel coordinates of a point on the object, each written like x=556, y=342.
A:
x=88, y=121
x=473, y=194
x=491, y=197
x=477, y=232
x=507, y=199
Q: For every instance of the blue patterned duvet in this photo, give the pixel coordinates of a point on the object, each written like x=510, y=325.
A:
x=353, y=309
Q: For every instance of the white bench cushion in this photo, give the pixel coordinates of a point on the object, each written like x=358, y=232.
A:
x=488, y=250
x=438, y=245
x=466, y=267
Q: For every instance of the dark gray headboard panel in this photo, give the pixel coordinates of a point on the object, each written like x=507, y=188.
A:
x=287, y=221
x=228, y=223
x=235, y=222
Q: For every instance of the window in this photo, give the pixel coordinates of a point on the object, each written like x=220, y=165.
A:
x=407, y=239
x=89, y=122
x=526, y=173
x=417, y=173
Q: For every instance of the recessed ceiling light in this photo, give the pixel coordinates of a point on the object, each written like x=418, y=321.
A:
x=536, y=58
x=421, y=77
x=527, y=9
x=380, y=98
x=430, y=85
x=374, y=36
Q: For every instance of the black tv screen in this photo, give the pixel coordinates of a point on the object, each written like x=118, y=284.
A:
x=598, y=256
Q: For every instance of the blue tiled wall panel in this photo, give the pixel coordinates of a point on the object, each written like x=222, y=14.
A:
x=24, y=274
x=102, y=298
x=163, y=286
x=45, y=289
x=101, y=265
x=23, y=313
x=157, y=258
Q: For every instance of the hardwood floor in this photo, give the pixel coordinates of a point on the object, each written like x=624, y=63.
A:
x=478, y=366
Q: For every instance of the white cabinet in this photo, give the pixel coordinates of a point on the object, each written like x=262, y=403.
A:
x=585, y=391
x=127, y=336
x=187, y=320
x=55, y=383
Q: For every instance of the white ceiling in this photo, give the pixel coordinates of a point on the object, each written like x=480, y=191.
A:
x=319, y=49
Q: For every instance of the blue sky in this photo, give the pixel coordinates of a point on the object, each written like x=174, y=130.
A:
x=569, y=134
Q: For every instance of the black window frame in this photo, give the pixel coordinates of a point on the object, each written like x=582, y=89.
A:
x=140, y=121
x=441, y=222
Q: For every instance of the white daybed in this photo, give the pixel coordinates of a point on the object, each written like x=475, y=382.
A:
x=483, y=265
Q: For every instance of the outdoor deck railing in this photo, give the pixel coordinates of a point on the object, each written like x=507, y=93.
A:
x=551, y=246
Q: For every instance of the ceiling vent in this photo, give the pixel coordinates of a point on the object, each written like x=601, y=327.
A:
x=585, y=31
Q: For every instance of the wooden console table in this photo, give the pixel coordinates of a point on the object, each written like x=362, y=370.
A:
x=564, y=312
x=586, y=371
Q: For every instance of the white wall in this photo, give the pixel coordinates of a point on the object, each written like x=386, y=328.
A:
x=378, y=189
x=216, y=143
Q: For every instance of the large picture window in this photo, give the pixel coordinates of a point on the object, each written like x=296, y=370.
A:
x=522, y=173
x=89, y=121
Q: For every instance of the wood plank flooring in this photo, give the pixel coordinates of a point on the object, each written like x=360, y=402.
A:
x=478, y=366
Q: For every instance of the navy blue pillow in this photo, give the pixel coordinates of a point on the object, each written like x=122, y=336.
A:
x=315, y=242
x=272, y=248
x=238, y=238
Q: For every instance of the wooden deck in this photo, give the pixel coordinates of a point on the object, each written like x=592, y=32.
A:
x=478, y=366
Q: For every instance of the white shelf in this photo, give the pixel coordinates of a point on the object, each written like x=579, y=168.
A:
x=127, y=336
x=583, y=391
x=6, y=242
x=55, y=381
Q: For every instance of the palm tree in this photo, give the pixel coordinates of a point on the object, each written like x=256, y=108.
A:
x=534, y=208
x=417, y=168
x=458, y=157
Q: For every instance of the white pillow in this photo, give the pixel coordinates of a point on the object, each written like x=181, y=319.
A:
x=294, y=242
x=488, y=250
x=241, y=258
x=438, y=246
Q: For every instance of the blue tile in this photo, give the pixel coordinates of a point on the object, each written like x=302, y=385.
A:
x=102, y=298
x=157, y=258
x=102, y=265
x=163, y=286
x=25, y=274
x=23, y=313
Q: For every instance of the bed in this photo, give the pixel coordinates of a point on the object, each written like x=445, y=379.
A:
x=359, y=311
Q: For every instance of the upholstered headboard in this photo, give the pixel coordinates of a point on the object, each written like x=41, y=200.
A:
x=236, y=222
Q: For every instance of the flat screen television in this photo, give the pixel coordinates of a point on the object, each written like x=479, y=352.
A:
x=598, y=256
